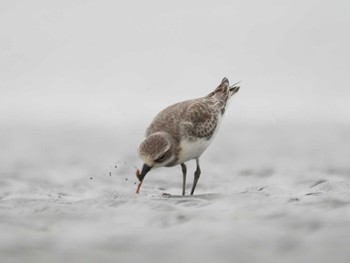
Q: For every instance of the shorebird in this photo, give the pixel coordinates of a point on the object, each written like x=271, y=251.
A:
x=182, y=132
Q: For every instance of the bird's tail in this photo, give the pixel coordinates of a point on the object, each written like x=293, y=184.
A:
x=224, y=91
x=234, y=88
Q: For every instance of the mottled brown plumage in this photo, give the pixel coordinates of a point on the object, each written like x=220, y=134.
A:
x=182, y=131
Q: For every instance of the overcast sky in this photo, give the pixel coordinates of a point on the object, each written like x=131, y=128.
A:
x=125, y=60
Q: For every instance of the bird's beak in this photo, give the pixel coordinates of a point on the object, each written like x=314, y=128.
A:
x=144, y=171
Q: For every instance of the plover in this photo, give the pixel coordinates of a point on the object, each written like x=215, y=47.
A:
x=182, y=132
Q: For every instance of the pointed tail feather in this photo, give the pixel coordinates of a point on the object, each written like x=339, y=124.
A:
x=224, y=81
x=234, y=88
x=224, y=91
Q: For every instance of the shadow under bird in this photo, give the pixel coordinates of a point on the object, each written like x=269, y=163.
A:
x=182, y=132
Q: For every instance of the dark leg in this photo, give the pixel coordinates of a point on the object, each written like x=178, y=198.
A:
x=184, y=171
x=197, y=173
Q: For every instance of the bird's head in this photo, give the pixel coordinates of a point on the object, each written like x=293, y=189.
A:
x=155, y=151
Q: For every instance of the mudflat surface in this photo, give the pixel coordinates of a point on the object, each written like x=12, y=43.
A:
x=266, y=194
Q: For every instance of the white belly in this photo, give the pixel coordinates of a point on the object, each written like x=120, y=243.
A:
x=192, y=149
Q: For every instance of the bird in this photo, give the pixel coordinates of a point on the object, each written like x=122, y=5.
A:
x=183, y=131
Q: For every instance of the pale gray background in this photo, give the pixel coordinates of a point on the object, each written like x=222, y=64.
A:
x=91, y=61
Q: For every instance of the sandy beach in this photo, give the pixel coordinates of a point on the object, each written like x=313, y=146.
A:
x=270, y=194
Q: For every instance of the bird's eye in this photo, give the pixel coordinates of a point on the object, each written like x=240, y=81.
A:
x=161, y=158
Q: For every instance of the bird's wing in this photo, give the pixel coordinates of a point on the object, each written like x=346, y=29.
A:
x=201, y=117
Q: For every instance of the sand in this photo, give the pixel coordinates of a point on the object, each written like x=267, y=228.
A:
x=268, y=193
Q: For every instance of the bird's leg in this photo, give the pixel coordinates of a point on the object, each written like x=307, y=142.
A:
x=184, y=171
x=197, y=173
